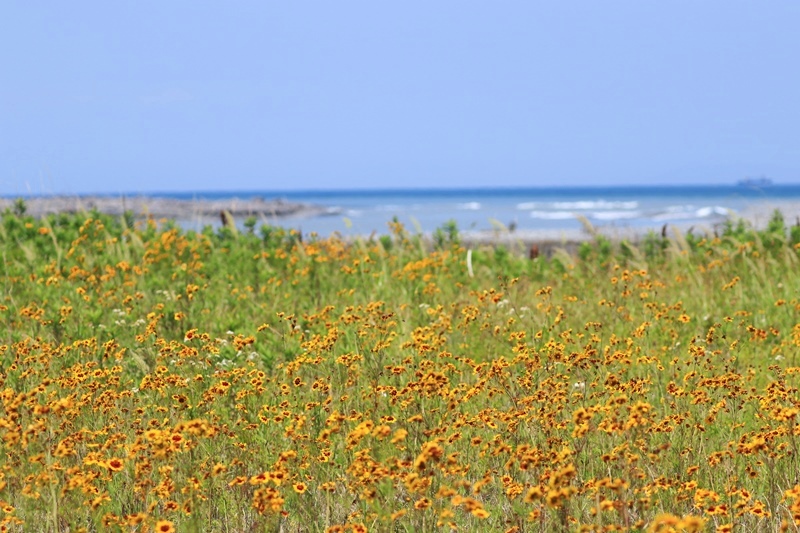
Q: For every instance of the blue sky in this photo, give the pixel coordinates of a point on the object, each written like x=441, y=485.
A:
x=174, y=95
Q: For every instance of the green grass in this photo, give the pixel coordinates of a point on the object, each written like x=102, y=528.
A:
x=256, y=380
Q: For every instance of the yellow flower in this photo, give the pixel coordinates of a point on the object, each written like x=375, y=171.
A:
x=135, y=519
x=664, y=523
x=399, y=435
x=422, y=503
x=165, y=526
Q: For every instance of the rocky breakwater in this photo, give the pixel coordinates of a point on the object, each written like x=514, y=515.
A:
x=164, y=207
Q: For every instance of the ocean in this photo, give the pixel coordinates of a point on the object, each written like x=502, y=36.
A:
x=364, y=212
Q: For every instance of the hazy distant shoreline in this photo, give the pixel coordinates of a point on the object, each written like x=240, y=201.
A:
x=209, y=211
x=164, y=207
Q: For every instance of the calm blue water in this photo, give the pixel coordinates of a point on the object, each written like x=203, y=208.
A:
x=365, y=212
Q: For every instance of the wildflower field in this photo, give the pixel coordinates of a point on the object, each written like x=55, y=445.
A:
x=154, y=379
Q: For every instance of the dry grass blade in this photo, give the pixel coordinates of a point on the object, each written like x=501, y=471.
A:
x=587, y=226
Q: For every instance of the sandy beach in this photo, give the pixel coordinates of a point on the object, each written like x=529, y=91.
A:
x=546, y=241
x=759, y=213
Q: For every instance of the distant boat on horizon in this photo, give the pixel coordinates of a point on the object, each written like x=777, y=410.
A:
x=755, y=182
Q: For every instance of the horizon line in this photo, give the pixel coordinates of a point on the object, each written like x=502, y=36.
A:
x=390, y=190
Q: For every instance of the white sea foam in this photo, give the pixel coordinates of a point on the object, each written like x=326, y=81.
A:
x=680, y=208
x=552, y=215
x=615, y=215
x=690, y=212
x=586, y=205
x=716, y=210
x=675, y=212
x=470, y=206
x=528, y=206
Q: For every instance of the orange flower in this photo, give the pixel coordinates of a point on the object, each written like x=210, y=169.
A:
x=398, y=514
x=115, y=464
x=480, y=513
x=135, y=519
x=165, y=526
x=300, y=488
